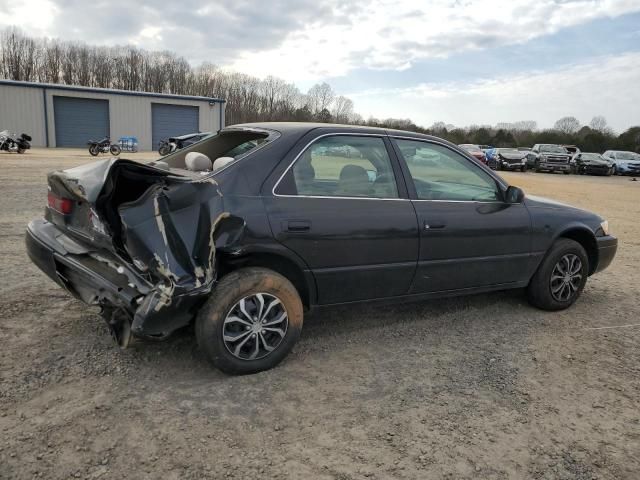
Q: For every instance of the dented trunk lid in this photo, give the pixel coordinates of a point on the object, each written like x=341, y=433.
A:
x=163, y=224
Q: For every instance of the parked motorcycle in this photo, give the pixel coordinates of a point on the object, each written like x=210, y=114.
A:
x=171, y=144
x=103, y=146
x=11, y=142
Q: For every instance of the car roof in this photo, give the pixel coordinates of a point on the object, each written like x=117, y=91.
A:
x=300, y=128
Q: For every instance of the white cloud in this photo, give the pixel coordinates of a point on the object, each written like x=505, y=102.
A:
x=39, y=14
x=604, y=86
x=387, y=34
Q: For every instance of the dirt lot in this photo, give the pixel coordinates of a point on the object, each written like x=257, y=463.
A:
x=476, y=387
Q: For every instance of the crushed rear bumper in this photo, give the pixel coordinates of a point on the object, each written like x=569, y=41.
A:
x=100, y=278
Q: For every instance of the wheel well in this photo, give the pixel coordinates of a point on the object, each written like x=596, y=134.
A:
x=278, y=263
x=588, y=242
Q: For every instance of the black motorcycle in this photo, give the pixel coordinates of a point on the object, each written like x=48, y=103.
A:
x=11, y=142
x=103, y=146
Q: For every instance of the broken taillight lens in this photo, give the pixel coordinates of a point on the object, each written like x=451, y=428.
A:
x=62, y=205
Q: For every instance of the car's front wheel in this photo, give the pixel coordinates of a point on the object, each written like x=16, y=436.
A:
x=561, y=276
x=251, y=321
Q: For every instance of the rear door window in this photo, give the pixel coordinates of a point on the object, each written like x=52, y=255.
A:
x=342, y=166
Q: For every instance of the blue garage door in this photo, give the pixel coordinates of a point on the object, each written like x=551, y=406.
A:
x=78, y=120
x=172, y=120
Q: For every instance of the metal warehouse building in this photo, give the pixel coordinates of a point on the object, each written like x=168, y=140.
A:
x=69, y=116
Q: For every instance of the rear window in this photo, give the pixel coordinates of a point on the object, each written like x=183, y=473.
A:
x=231, y=143
x=552, y=149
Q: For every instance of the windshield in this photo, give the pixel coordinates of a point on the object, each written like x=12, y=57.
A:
x=509, y=150
x=627, y=156
x=552, y=149
x=590, y=156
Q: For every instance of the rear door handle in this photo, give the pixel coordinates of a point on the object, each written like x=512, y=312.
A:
x=434, y=225
x=296, y=225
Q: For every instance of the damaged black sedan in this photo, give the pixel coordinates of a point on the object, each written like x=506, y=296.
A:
x=244, y=231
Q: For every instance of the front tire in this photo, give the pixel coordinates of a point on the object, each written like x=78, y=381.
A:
x=115, y=150
x=164, y=150
x=251, y=321
x=560, y=277
x=94, y=150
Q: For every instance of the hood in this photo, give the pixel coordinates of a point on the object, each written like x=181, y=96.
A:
x=533, y=201
x=513, y=155
x=592, y=161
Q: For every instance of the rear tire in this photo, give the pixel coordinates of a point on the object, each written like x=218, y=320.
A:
x=560, y=277
x=232, y=322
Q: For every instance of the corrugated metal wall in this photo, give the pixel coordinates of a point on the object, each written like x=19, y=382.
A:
x=22, y=109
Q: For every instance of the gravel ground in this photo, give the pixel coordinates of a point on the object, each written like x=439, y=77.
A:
x=475, y=387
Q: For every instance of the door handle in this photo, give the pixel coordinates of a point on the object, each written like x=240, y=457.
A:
x=297, y=225
x=434, y=225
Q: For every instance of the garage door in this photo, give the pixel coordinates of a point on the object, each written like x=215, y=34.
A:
x=172, y=120
x=78, y=120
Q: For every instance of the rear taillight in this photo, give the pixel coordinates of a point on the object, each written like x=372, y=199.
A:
x=62, y=205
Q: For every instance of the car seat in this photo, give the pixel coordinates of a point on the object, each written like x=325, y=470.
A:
x=354, y=181
x=197, y=162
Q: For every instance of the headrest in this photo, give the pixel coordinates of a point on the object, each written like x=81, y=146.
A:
x=220, y=162
x=353, y=173
x=197, y=162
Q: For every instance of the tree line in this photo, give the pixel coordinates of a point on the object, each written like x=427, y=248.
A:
x=129, y=68
x=251, y=99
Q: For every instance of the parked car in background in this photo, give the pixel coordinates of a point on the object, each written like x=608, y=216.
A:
x=624, y=163
x=242, y=250
x=547, y=157
x=488, y=150
x=475, y=151
x=171, y=144
x=508, y=159
x=571, y=150
x=591, y=164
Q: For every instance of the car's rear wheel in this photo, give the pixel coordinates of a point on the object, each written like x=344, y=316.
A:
x=561, y=276
x=251, y=321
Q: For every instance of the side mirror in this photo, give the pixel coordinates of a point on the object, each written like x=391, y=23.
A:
x=514, y=195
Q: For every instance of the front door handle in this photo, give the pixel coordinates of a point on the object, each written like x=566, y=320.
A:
x=434, y=225
x=297, y=225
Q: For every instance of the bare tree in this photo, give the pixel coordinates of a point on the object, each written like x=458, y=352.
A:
x=320, y=97
x=599, y=123
x=567, y=125
x=342, y=109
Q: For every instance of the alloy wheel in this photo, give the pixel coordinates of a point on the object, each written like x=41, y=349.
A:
x=255, y=326
x=566, y=277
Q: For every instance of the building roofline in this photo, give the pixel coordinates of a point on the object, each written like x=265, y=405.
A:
x=108, y=91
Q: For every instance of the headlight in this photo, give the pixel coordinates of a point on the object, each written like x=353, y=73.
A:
x=605, y=227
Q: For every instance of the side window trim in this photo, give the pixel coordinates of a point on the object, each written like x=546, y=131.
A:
x=394, y=160
x=413, y=194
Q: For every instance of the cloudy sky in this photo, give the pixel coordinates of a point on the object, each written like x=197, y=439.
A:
x=458, y=61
